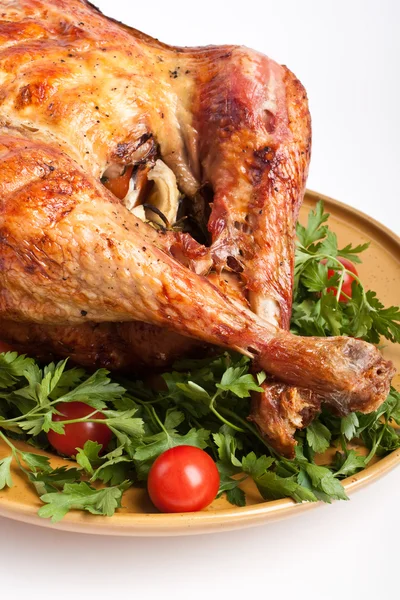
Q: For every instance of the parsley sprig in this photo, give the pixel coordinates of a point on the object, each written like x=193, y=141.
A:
x=204, y=403
x=316, y=311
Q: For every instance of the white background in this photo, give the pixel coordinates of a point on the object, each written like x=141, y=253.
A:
x=347, y=54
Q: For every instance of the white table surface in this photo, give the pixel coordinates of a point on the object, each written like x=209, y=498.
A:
x=346, y=53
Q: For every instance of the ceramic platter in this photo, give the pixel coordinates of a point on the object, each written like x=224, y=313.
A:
x=380, y=271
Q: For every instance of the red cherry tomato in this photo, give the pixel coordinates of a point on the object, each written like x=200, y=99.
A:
x=347, y=281
x=4, y=347
x=183, y=479
x=76, y=434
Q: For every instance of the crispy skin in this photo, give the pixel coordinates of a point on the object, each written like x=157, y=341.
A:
x=80, y=93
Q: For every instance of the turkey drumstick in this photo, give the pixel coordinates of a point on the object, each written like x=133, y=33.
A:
x=69, y=253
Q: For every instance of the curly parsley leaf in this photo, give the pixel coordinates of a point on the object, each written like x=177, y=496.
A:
x=12, y=368
x=5, y=472
x=323, y=483
x=315, y=276
x=69, y=379
x=234, y=380
x=349, y=425
x=331, y=313
x=273, y=487
x=236, y=496
x=88, y=456
x=124, y=422
x=229, y=481
x=162, y=441
x=36, y=462
x=227, y=445
x=81, y=496
x=55, y=479
x=41, y=382
x=195, y=392
x=318, y=436
x=348, y=465
x=114, y=472
x=328, y=245
x=96, y=391
x=256, y=466
x=385, y=321
x=33, y=426
x=351, y=252
x=315, y=229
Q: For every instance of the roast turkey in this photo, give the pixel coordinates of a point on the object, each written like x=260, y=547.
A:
x=149, y=196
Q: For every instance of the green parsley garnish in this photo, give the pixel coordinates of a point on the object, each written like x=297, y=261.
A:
x=315, y=309
x=204, y=403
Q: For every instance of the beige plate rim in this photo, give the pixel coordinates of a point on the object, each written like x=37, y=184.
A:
x=145, y=524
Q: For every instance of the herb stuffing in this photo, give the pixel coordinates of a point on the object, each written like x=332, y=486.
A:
x=203, y=403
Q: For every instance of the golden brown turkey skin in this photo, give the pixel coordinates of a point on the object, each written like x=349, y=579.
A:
x=80, y=94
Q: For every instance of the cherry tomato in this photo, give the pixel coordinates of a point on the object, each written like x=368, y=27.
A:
x=4, y=347
x=347, y=281
x=76, y=434
x=183, y=479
